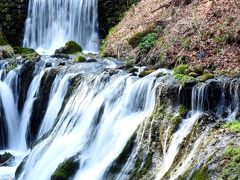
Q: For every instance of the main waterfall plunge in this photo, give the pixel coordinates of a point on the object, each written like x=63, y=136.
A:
x=51, y=23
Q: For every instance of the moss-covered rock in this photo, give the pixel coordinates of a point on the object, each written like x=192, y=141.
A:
x=181, y=69
x=145, y=72
x=66, y=170
x=80, y=59
x=205, y=77
x=70, y=47
x=27, y=53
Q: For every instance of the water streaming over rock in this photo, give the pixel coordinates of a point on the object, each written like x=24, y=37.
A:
x=51, y=23
x=93, y=111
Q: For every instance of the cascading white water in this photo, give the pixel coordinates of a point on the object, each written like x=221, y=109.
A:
x=59, y=89
x=184, y=129
x=101, y=110
x=51, y=23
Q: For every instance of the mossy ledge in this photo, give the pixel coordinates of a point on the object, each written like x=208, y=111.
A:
x=66, y=169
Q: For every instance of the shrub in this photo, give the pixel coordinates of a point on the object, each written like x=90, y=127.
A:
x=147, y=42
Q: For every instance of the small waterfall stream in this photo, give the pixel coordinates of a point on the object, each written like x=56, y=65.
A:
x=51, y=23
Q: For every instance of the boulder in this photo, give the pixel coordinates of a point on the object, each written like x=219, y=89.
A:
x=6, y=52
x=70, y=47
x=79, y=59
x=5, y=158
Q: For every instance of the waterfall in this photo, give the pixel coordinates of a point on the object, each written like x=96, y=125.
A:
x=51, y=23
x=102, y=109
x=92, y=113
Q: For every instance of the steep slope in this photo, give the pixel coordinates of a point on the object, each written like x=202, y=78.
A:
x=195, y=32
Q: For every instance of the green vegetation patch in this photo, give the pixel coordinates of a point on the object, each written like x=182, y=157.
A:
x=146, y=72
x=66, y=169
x=79, y=59
x=201, y=174
x=232, y=126
x=29, y=54
x=147, y=42
x=231, y=160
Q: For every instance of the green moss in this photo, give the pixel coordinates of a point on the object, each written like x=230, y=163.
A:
x=176, y=120
x=182, y=110
x=136, y=38
x=141, y=166
x=232, y=126
x=79, y=59
x=201, y=174
x=73, y=47
x=66, y=169
x=145, y=73
x=231, y=169
x=160, y=112
x=11, y=67
x=181, y=69
x=231, y=151
x=147, y=42
x=161, y=74
x=198, y=69
x=29, y=54
x=205, y=77
x=183, y=78
x=181, y=73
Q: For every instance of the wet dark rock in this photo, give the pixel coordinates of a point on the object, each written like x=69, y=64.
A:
x=207, y=118
x=118, y=164
x=60, y=56
x=168, y=93
x=20, y=167
x=25, y=79
x=3, y=129
x=5, y=159
x=66, y=169
x=48, y=64
x=40, y=105
x=62, y=63
x=91, y=60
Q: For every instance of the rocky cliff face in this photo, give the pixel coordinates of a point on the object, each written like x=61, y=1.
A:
x=12, y=19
